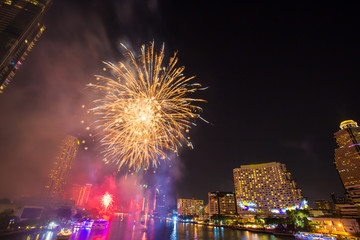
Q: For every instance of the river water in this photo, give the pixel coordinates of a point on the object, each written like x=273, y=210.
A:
x=125, y=228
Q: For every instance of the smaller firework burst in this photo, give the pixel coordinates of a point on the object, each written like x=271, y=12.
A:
x=107, y=202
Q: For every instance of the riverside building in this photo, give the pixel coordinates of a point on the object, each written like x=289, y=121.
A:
x=189, y=207
x=222, y=203
x=266, y=188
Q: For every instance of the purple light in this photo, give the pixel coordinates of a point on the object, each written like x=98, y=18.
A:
x=354, y=144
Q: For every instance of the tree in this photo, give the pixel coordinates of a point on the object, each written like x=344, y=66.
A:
x=218, y=218
x=274, y=220
x=5, y=217
x=298, y=220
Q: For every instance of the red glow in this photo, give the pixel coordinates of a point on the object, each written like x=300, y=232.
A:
x=154, y=206
x=122, y=195
x=146, y=214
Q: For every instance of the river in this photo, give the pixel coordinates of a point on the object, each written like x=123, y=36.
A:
x=124, y=228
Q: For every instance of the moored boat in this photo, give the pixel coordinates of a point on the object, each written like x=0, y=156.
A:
x=64, y=234
x=313, y=236
x=100, y=225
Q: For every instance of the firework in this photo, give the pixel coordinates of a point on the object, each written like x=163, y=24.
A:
x=145, y=110
x=106, y=201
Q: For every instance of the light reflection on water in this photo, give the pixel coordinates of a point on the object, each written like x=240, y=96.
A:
x=128, y=229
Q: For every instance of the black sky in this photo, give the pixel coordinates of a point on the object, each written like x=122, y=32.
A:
x=281, y=78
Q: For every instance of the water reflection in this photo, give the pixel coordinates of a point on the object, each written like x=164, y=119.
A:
x=127, y=228
x=174, y=231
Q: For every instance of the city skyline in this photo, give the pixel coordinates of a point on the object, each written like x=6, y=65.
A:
x=277, y=92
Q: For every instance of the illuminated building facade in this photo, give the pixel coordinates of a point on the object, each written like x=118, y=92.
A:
x=347, y=158
x=20, y=27
x=222, y=203
x=189, y=207
x=266, y=188
x=60, y=172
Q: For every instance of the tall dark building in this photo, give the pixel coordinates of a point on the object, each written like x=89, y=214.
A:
x=20, y=27
x=347, y=158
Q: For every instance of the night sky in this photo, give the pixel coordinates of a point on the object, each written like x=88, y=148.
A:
x=280, y=78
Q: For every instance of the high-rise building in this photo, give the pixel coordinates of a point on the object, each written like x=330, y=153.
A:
x=159, y=207
x=222, y=203
x=60, y=172
x=266, y=188
x=189, y=207
x=20, y=27
x=347, y=158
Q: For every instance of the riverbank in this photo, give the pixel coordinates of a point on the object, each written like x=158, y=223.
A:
x=23, y=231
x=264, y=230
x=257, y=230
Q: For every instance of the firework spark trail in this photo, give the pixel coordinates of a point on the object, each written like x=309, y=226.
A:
x=145, y=109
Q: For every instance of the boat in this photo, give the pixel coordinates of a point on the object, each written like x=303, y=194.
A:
x=253, y=229
x=64, y=234
x=100, y=224
x=313, y=236
x=77, y=224
x=87, y=223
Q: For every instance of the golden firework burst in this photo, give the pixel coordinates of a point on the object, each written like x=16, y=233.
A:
x=145, y=110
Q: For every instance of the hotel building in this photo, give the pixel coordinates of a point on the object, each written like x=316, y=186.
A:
x=265, y=188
